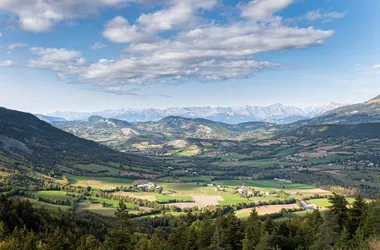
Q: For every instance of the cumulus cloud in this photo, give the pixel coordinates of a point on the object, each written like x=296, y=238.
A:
x=181, y=14
x=324, y=16
x=376, y=66
x=119, y=30
x=65, y=62
x=98, y=45
x=263, y=10
x=43, y=15
x=195, y=48
x=7, y=63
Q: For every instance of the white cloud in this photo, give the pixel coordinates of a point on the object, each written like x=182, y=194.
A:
x=16, y=45
x=205, y=54
x=195, y=48
x=376, y=66
x=98, y=45
x=263, y=10
x=7, y=63
x=119, y=30
x=65, y=62
x=43, y=15
x=324, y=16
x=182, y=14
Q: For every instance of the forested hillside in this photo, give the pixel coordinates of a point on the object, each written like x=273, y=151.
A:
x=24, y=136
x=341, y=227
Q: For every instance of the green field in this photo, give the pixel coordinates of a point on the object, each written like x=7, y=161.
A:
x=95, y=208
x=187, y=153
x=232, y=199
x=324, y=203
x=40, y=204
x=265, y=184
x=99, y=182
x=53, y=195
x=111, y=203
x=166, y=198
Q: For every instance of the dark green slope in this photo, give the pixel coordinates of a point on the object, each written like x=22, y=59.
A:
x=356, y=131
x=24, y=136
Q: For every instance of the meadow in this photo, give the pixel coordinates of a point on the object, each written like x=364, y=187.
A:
x=266, y=184
x=40, y=204
x=53, y=195
x=324, y=203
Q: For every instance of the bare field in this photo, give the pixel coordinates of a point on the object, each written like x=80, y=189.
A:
x=141, y=195
x=270, y=209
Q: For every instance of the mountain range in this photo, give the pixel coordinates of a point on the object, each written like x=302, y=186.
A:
x=276, y=113
x=123, y=135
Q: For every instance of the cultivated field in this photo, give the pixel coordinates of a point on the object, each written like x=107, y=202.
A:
x=262, y=210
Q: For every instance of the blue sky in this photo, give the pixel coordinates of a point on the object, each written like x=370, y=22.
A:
x=89, y=55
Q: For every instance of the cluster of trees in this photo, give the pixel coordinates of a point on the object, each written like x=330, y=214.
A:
x=341, y=227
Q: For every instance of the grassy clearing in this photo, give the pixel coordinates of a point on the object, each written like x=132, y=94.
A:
x=40, y=204
x=99, y=182
x=232, y=199
x=286, y=152
x=266, y=184
x=188, y=153
x=95, y=208
x=324, y=203
x=167, y=198
x=53, y=195
x=111, y=203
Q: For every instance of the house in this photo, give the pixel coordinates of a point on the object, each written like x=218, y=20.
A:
x=307, y=206
x=146, y=186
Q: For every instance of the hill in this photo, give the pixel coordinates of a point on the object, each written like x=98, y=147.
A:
x=352, y=114
x=143, y=136
x=356, y=131
x=24, y=136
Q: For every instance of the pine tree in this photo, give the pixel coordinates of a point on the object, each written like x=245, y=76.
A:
x=357, y=214
x=339, y=209
x=329, y=232
x=344, y=242
x=265, y=242
x=252, y=232
x=4, y=231
x=268, y=224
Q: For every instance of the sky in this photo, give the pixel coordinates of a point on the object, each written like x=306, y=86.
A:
x=91, y=55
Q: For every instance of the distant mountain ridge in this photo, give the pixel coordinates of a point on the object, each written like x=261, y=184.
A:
x=367, y=112
x=276, y=113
